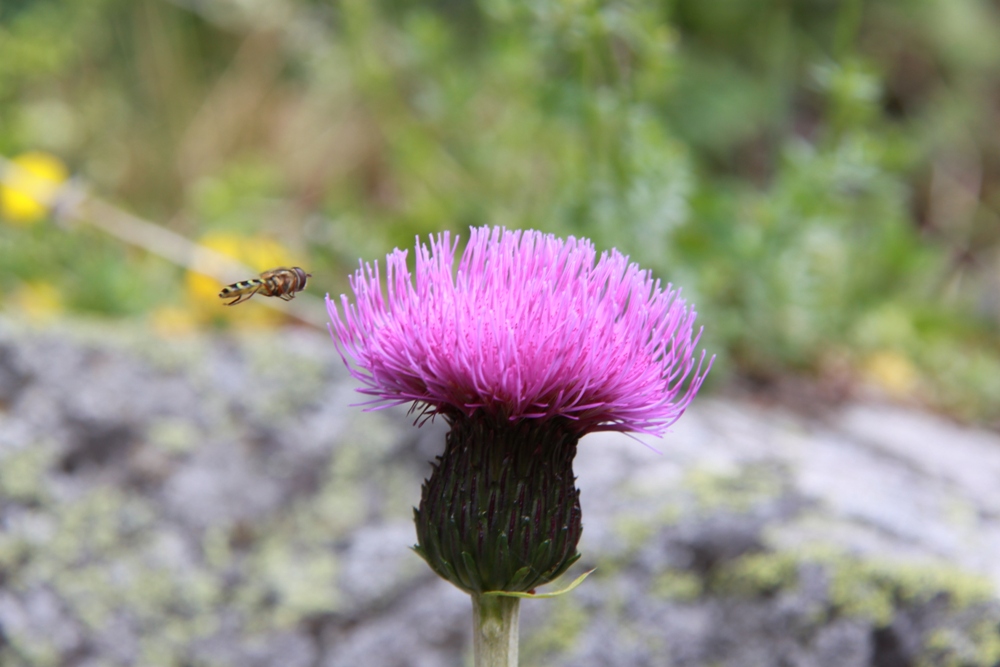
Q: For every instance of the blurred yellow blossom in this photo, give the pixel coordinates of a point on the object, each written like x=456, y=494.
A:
x=37, y=301
x=892, y=372
x=170, y=321
x=30, y=185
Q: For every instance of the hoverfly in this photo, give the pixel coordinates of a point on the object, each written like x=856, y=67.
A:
x=280, y=282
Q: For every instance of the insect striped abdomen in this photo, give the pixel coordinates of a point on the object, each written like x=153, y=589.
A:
x=240, y=286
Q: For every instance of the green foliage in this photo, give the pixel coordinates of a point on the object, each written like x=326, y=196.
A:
x=799, y=169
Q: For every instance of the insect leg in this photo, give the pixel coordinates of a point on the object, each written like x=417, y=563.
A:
x=243, y=296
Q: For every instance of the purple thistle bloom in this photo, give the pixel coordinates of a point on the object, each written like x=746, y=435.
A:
x=530, y=326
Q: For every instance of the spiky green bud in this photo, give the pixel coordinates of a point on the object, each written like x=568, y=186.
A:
x=501, y=511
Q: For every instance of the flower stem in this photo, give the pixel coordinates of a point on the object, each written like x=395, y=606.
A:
x=494, y=627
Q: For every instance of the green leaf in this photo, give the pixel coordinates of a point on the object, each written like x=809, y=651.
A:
x=576, y=582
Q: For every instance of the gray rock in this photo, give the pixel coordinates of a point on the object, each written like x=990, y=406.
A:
x=218, y=501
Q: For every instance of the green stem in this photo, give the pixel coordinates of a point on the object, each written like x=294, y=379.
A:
x=494, y=630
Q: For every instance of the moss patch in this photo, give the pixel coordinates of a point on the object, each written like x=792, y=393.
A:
x=679, y=585
x=738, y=491
x=565, y=620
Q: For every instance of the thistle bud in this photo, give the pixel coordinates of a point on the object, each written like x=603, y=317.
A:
x=501, y=511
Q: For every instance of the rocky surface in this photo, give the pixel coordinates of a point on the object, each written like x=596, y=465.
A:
x=216, y=501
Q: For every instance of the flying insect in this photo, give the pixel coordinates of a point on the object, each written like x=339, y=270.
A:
x=281, y=282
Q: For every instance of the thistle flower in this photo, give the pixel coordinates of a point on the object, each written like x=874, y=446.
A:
x=532, y=342
x=530, y=327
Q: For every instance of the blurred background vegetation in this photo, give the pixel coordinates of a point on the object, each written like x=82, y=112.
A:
x=821, y=177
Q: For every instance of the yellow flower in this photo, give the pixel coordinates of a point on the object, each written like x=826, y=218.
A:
x=37, y=301
x=893, y=373
x=29, y=187
x=172, y=321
